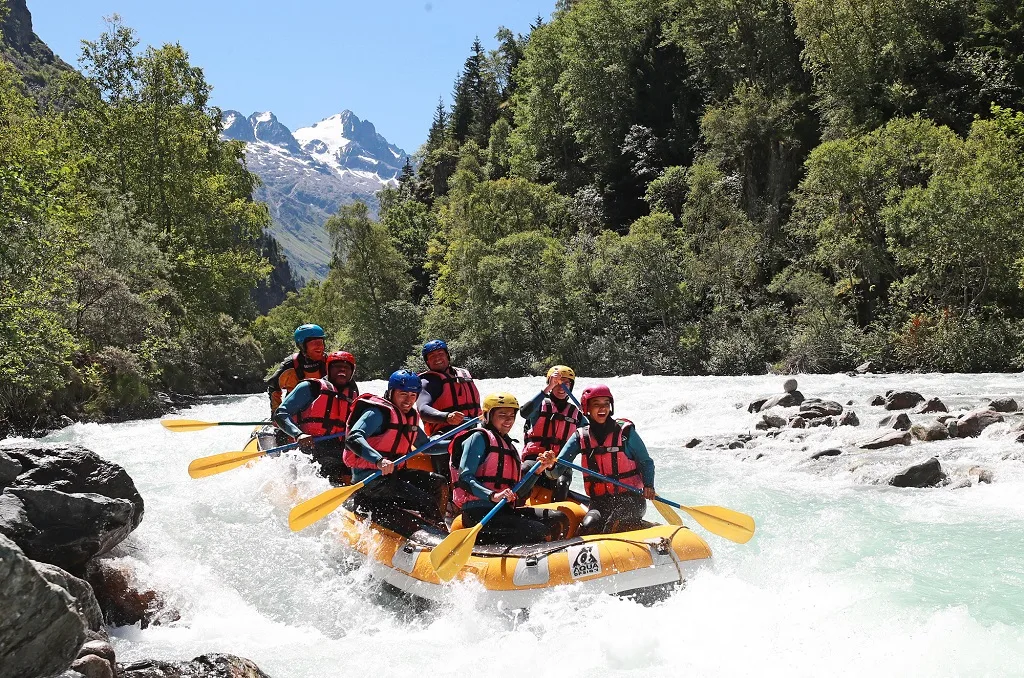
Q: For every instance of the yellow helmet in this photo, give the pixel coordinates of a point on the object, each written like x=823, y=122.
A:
x=494, y=400
x=563, y=370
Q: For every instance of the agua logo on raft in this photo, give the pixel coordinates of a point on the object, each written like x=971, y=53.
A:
x=584, y=561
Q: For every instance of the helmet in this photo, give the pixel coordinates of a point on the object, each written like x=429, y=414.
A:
x=494, y=400
x=404, y=380
x=343, y=356
x=304, y=332
x=434, y=345
x=599, y=391
x=564, y=370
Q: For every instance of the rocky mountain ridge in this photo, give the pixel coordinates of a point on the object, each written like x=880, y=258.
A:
x=309, y=173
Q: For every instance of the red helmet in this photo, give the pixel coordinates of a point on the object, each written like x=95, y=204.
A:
x=599, y=391
x=343, y=356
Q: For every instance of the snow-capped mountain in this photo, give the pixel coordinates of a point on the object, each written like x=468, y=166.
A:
x=309, y=173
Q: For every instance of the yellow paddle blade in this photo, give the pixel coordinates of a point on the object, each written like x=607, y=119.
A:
x=668, y=513
x=450, y=555
x=184, y=425
x=320, y=506
x=225, y=461
x=732, y=525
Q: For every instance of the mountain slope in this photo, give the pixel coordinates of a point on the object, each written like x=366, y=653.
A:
x=307, y=175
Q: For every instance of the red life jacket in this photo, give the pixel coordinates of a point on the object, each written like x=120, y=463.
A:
x=552, y=428
x=397, y=435
x=328, y=413
x=499, y=468
x=458, y=394
x=608, y=457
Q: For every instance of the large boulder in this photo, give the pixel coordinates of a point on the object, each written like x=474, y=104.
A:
x=10, y=469
x=848, y=418
x=81, y=593
x=40, y=629
x=123, y=601
x=929, y=431
x=815, y=408
x=900, y=422
x=926, y=474
x=930, y=406
x=67, y=504
x=788, y=399
x=971, y=424
x=902, y=400
x=1006, y=404
x=205, y=666
x=887, y=440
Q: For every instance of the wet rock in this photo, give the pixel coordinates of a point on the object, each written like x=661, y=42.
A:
x=9, y=469
x=40, y=630
x=932, y=405
x=900, y=422
x=943, y=418
x=1003, y=405
x=960, y=484
x=971, y=425
x=791, y=399
x=822, y=421
x=865, y=367
x=755, y=405
x=81, y=593
x=769, y=420
x=981, y=475
x=737, y=445
x=744, y=437
x=877, y=401
x=848, y=418
x=122, y=600
x=826, y=453
x=67, y=504
x=926, y=474
x=887, y=440
x=789, y=385
x=929, y=431
x=797, y=422
x=101, y=649
x=902, y=400
x=681, y=408
x=205, y=666
x=693, y=442
x=815, y=408
x=951, y=428
x=93, y=666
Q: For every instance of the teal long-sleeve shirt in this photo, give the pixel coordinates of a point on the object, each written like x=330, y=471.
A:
x=530, y=410
x=635, y=450
x=368, y=425
x=473, y=450
x=297, y=400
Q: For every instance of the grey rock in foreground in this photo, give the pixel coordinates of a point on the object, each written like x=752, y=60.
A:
x=887, y=440
x=971, y=425
x=926, y=474
x=929, y=431
x=40, y=629
x=67, y=504
x=204, y=666
x=902, y=400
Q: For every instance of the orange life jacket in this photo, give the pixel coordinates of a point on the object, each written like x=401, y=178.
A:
x=552, y=428
x=328, y=413
x=458, y=394
x=397, y=435
x=608, y=457
x=500, y=467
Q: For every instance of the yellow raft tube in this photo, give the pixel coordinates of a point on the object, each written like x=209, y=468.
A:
x=646, y=564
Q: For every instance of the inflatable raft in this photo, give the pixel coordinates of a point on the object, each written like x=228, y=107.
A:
x=646, y=564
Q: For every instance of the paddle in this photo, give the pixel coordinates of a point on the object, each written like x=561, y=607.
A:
x=186, y=425
x=732, y=525
x=225, y=461
x=670, y=516
x=322, y=505
x=448, y=557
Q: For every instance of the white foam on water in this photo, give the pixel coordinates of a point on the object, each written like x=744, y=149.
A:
x=846, y=576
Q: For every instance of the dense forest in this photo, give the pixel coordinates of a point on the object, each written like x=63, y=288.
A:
x=659, y=186
x=705, y=186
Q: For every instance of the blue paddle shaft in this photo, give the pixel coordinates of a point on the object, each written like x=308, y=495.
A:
x=497, y=507
x=606, y=479
x=461, y=427
x=289, y=446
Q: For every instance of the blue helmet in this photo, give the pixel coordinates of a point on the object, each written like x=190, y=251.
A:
x=404, y=380
x=434, y=345
x=304, y=332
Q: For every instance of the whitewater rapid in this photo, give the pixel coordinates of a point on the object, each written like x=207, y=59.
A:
x=845, y=577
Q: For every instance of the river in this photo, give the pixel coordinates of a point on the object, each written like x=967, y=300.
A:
x=845, y=577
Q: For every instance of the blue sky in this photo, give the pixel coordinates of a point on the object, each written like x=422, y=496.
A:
x=386, y=61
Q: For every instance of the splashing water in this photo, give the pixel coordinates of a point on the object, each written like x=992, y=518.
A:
x=846, y=575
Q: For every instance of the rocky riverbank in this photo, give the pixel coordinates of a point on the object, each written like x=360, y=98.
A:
x=62, y=510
